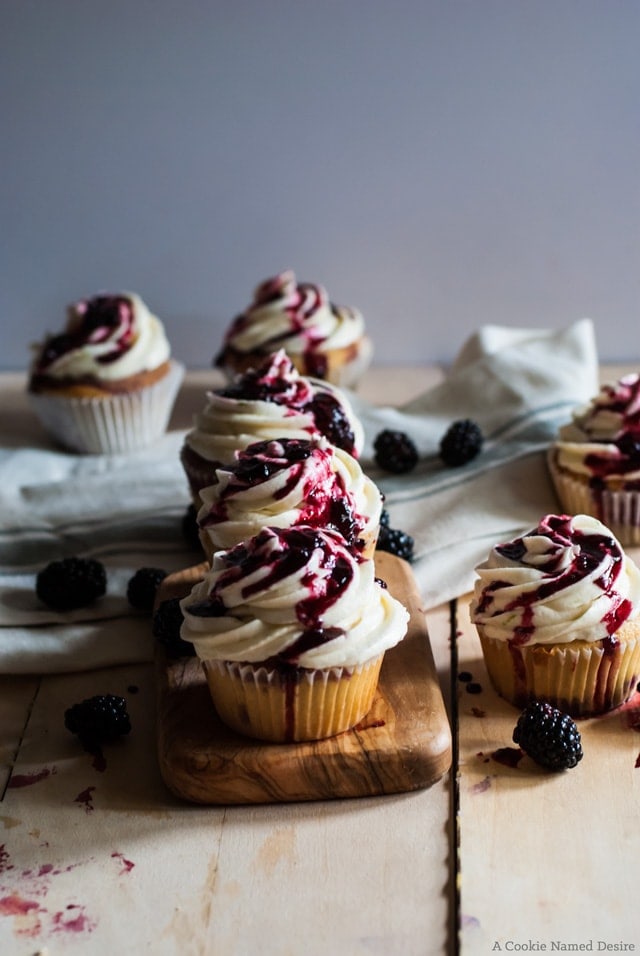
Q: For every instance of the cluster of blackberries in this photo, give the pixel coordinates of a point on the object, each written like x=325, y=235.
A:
x=548, y=736
x=394, y=540
x=394, y=451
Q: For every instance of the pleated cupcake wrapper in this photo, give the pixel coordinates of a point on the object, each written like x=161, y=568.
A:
x=287, y=706
x=580, y=679
x=114, y=424
x=618, y=510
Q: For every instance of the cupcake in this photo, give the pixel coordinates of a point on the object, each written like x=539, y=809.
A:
x=595, y=461
x=107, y=383
x=271, y=401
x=291, y=629
x=323, y=340
x=557, y=613
x=285, y=482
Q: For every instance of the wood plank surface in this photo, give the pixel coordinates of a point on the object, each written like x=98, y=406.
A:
x=403, y=744
x=549, y=859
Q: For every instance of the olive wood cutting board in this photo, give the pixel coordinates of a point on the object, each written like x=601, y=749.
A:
x=403, y=744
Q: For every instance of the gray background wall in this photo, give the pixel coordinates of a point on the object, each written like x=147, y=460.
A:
x=438, y=164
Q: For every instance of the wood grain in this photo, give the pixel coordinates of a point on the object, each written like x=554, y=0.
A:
x=403, y=744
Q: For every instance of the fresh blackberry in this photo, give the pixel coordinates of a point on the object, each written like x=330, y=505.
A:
x=395, y=542
x=98, y=720
x=384, y=518
x=190, y=527
x=142, y=587
x=461, y=442
x=548, y=736
x=70, y=583
x=395, y=451
x=165, y=626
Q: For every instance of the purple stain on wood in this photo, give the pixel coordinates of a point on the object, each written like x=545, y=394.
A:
x=85, y=797
x=127, y=865
x=478, y=712
x=28, y=779
x=72, y=920
x=508, y=756
x=5, y=859
x=15, y=905
x=637, y=763
x=483, y=785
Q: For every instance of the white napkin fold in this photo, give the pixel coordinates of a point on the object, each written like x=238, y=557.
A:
x=126, y=510
x=519, y=385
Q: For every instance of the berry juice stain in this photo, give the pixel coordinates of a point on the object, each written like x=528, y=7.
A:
x=127, y=865
x=482, y=785
x=85, y=797
x=508, y=756
x=478, y=712
x=28, y=779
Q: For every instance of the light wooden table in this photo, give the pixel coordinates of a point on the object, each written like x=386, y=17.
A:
x=491, y=858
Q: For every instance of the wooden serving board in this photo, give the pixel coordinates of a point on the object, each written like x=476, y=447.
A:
x=404, y=742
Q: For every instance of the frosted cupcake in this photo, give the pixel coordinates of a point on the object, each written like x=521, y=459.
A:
x=286, y=482
x=595, y=461
x=271, y=401
x=291, y=628
x=557, y=613
x=107, y=383
x=323, y=340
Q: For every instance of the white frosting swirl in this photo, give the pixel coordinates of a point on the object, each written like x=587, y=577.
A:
x=297, y=595
x=568, y=579
x=294, y=316
x=603, y=437
x=106, y=338
x=228, y=423
x=285, y=483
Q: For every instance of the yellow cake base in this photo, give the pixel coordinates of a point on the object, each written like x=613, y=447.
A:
x=580, y=678
x=285, y=705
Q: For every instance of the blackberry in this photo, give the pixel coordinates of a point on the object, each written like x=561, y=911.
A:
x=548, y=736
x=98, y=720
x=395, y=542
x=461, y=442
x=142, y=587
x=395, y=451
x=190, y=527
x=165, y=626
x=384, y=518
x=70, y=583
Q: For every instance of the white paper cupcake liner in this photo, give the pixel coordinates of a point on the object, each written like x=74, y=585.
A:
x=111, y=425
x=264, y=702
x=619, y=510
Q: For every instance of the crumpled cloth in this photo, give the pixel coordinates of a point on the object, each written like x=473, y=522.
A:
x=519, y=385
x=126, y=510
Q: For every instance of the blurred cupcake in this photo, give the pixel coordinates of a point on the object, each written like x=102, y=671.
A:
x=557, y=613
x=323, y=340
x=286, y=482
x=271, y=401
x=107, y=383
x=291, y=629
x=595, y=461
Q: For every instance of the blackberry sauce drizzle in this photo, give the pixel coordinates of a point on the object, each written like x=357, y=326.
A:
x=326, y=499
x=590, y=550
x=96, y=320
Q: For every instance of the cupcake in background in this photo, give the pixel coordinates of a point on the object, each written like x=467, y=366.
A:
x=323, y=340
x=291, y=629
x=558, y=615
x=270, y=401
x=595, y=461
x=286, y=482
x=107, y=383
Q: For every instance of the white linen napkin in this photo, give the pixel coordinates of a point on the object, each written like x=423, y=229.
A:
x=126, y=510
x=519, y=385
